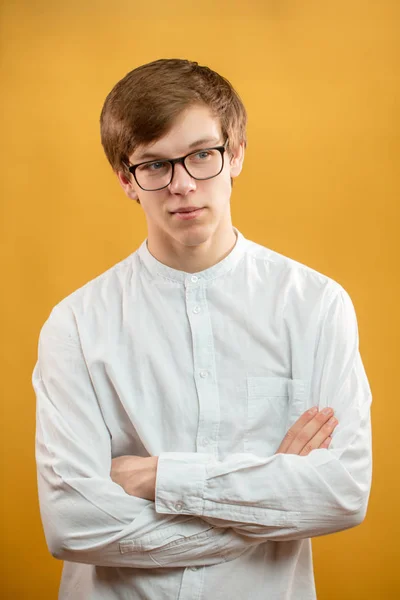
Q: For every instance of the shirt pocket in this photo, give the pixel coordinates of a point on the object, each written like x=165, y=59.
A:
x=273, y=405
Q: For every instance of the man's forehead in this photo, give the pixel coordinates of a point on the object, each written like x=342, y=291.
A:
x=195, y=128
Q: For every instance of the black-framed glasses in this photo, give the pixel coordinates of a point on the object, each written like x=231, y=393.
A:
x=156, y=175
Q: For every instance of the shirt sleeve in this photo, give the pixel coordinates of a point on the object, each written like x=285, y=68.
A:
x=285, y=496
x=87, y=518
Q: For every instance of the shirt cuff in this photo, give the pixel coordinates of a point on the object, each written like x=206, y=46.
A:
x=180, y=483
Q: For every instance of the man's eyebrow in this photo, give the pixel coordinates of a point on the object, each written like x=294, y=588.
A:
x=198, y=143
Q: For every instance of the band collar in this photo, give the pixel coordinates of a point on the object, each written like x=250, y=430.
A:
x=158, y=269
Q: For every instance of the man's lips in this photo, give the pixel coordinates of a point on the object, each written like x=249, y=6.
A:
x=188, y=213
x=187, y=209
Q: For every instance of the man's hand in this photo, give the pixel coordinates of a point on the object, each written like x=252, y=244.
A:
x=136, y=475
x=313, y=430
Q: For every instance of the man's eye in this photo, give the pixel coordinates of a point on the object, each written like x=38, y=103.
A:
x=155, y=166
x=203, y=154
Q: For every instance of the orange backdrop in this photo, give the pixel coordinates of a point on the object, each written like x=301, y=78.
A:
x=320, y=81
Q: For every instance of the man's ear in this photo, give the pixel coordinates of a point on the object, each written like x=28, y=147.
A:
x=126, y=185
x=236, y=161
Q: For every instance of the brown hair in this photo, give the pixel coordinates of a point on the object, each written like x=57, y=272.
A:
x=142, y=106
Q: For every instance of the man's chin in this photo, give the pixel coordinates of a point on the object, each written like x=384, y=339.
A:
x=193, y=235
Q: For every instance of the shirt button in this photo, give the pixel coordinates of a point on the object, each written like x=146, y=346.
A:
x=203, y=374
x=205, y=441
x=196, y=309
x=193, y=279
x=179, y=506
x=193, y=568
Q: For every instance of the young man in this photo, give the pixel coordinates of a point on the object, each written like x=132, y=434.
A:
x=185, y=397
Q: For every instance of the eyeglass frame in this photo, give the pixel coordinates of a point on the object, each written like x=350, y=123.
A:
x=175, y=161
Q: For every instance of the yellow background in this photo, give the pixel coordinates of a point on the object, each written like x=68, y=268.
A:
x=320, y=80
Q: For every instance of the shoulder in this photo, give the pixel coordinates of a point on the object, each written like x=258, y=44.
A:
x=95, y=301
x=291, y=280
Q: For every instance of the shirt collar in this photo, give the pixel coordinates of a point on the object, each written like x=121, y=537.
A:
x=157, y=268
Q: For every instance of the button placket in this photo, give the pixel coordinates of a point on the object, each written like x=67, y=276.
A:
x=192, y=583
x=204, y=364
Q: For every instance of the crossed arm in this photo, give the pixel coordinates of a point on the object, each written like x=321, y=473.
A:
x=102, y=512
x=311, y=498
x=138, y=475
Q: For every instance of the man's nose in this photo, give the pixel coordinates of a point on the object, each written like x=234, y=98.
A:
x=182, y=182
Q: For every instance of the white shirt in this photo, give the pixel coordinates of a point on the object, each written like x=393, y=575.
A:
x=206, y=371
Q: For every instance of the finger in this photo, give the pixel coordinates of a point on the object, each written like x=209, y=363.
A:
x=320, y=437
x=326, y=443
x=305, y=436
x=296, y=428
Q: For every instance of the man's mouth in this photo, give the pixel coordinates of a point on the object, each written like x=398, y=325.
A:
x=187, y=209
x=190, y=212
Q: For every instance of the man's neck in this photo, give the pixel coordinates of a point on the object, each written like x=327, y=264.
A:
x=193, y=259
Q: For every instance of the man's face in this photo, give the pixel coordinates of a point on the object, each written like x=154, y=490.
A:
x=195, y=124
